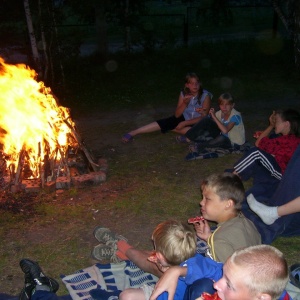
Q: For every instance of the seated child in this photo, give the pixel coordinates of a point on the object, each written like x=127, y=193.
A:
x=193, y=104
x=174, y=242
x=257, y=272
x=222, y=129
x=223, y=195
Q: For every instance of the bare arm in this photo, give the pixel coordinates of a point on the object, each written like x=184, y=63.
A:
x=140, y=258
x=224, y=129
x=268, y=130
x=183, y=102
x=168, y=282
x=204, y=110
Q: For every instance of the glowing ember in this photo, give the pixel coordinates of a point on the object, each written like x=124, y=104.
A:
x=35, y=130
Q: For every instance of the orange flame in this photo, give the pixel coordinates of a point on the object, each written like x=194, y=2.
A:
x=31, y=121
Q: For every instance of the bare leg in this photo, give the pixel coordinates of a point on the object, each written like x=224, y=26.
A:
x=182, y=131
x=145, y=129
x=289, y=208
x=132, y=294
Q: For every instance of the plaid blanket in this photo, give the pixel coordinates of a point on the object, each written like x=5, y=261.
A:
x=105, y=280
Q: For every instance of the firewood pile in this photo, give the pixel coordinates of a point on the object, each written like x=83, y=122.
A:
x=40, y=147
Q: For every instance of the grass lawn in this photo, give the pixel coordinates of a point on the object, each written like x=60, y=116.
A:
x=148, y=180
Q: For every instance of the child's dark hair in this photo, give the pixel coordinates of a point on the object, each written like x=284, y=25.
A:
x=293, y=117
x=226, y=96
x=226, y=186
x=191, y=75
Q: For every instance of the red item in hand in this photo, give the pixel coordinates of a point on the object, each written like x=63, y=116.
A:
x=195, y=219
x=257, y=134
x=206, y=296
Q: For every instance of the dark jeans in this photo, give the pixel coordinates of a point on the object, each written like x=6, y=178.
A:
x=203, y=130
x=195, y=290
x=220, y=141
x=38, y=295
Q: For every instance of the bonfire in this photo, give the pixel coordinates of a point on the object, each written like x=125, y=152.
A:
x=37, y=135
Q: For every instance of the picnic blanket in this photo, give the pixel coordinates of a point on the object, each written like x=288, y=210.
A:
x=102, y=280
x=218, y=152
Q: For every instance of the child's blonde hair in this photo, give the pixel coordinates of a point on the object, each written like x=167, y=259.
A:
x=175, y=240
x=266, y=270
x=225, y=97
x=226, y=186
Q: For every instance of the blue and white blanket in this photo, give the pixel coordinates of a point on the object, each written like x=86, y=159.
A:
x=108, y=277
x=217, y=152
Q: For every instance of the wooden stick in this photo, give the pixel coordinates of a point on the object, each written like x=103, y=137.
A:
x=83, y=147
x=20, y=166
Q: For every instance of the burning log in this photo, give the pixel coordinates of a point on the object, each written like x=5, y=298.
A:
x=38, y=135
x=83, y=147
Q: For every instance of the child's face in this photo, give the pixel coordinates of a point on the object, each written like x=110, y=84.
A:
x=281, y=126
x=193, y=85
x=232, y=286
x=226, y=107
x=212, y=207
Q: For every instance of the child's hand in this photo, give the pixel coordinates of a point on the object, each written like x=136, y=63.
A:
x=272, y=119
x=187, y=98
x=212, y=112
x=202, y=229
x=200, y=109
x=256, y=134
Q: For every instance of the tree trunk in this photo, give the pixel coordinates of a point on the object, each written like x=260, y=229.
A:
x=296, y=12
x=292, y=24
x=101, y=28
x=34, y=49
x=279, y=12
x=127, y=28
x=45, y=61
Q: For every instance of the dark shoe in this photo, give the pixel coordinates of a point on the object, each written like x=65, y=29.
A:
x=35, y=277
x=193, y=156
x=28, y=289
